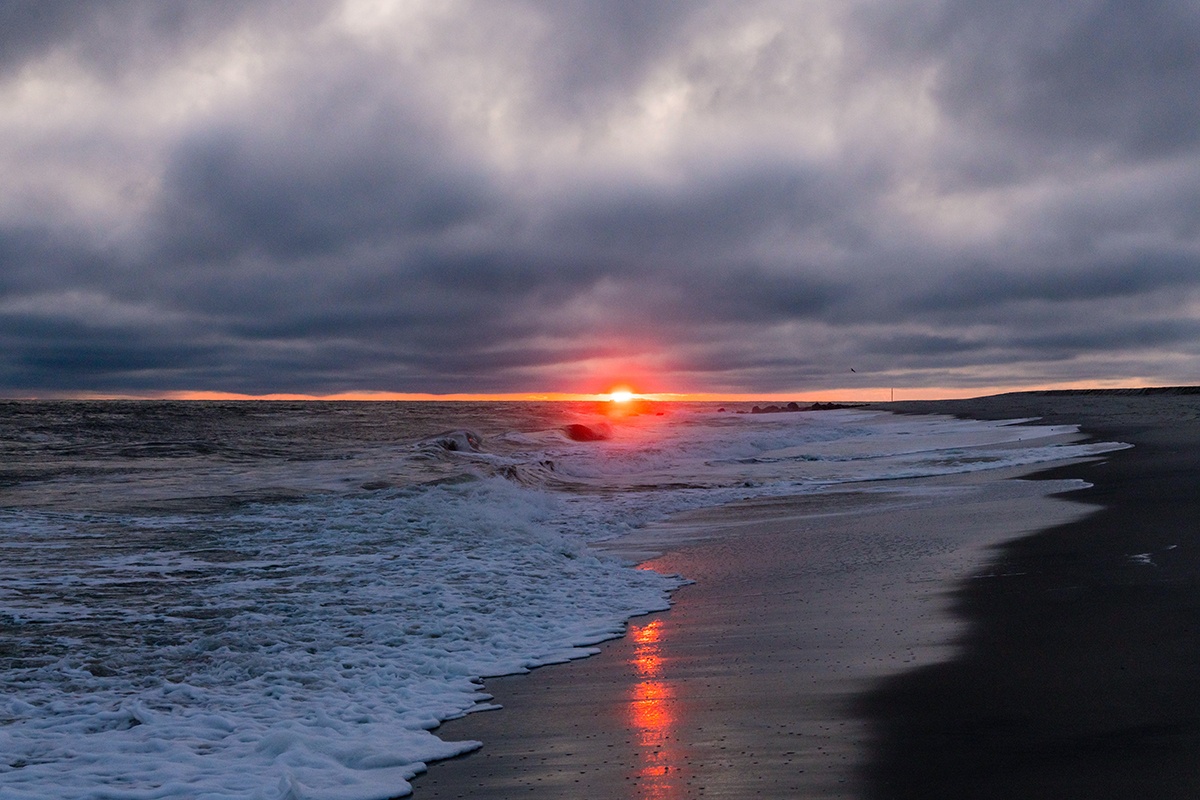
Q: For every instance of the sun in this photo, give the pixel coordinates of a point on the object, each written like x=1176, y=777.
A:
x=621, y=395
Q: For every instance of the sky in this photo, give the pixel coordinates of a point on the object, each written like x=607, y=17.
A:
x=271, y=197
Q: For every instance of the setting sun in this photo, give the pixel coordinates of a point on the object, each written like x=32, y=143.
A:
x=620, y=395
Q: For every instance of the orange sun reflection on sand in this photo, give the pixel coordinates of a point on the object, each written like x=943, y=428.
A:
x=651, y=712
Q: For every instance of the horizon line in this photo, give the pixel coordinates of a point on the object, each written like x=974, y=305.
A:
x=876, y=394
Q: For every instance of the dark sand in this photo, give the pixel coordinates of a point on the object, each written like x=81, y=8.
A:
x=806, y=662
x=1080, y=675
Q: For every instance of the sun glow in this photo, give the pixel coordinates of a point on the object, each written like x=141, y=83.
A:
x=622, y=399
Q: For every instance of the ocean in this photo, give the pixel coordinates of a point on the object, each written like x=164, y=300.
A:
x=282, y=601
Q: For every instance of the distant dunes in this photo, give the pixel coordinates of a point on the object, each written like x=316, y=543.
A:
x=1171, y=390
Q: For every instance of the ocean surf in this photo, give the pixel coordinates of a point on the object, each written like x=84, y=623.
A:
x=284, y=600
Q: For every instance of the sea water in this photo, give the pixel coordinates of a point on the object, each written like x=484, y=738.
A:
x=283, y=600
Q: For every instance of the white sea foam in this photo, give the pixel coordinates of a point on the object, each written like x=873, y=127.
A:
x=307, y=648
x=310, y=657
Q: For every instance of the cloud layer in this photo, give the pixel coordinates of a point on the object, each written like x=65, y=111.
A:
x=547, y=196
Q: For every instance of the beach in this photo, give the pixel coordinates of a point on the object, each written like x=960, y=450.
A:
x=981, y=635
x=1078, y=674
x=288, y=599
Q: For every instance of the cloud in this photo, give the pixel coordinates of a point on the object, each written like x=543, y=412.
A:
x=1075, y=80
x=115, y=38
x=318, y=188
x=524, y=195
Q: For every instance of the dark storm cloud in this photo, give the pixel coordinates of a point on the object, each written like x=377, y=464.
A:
x=726, y=208
x=112, y=36
x=596, y=49
x=973, y=290
x=228, y=193
x=663, y=255
x=71, y=341
x=1066, y=76
x=323, y=197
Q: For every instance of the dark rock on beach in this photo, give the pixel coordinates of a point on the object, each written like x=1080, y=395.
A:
x=583, y=433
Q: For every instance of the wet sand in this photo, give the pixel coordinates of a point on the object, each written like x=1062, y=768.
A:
x=878, y=645
x=1079, y=676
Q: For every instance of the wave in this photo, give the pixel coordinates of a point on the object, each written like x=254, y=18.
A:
x=305, y=641
x=456, y=441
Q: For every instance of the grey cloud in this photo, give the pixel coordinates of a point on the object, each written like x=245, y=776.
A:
x=1095, y=77
x=114, y=37
x=726, y=209
x=662, y=260
x=593, y=53
x=42, y=353
x=316, y=186
x=36, y=259
x=989, y=290
x=1113, y=335
x=338, y=226
x=28, y=29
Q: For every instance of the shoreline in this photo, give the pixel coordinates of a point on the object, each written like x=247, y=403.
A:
x=751, y=683
x=1078, y=677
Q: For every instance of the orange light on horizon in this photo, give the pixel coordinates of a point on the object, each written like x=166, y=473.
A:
x=876, y=393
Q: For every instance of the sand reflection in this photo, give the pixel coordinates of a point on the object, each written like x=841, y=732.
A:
x=651, y=712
